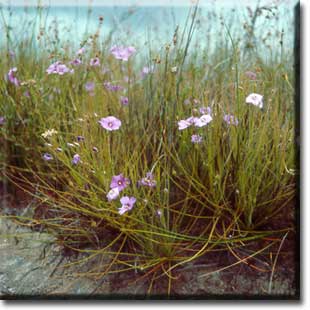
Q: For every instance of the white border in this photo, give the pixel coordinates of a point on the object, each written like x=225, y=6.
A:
x=305, y=219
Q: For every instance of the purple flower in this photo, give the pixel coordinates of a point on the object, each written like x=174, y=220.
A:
x=192, y=120
x=52, y=69
x=230, y=119
x=127, y=204
x=159, y=212
x=205, y=110
x=148, y=180
x=113, y=194
x=146, y=70
x=255, y=99
x=124, y=100
x=58, y=68
x=95, y=62
x=110, y=123
x=12, y=78
x=2, y=120
x=119, y=182
x=251, y=75
x=81, y=51
x=95, y=149
x=62, y=69
x=80, y=138
x=90, y=86
x=110, y=86
x=76, y=159
x=123, y=53
x=187, y=122
x=76, y=62
x=196, y=139
x=183, y=124
x=26, y=93
x=203, y=120
x=47, y=156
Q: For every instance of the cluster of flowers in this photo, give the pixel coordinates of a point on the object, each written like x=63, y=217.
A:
x=255, y=99
x=109, y=123
x=119, y=183
x=58, y=68
x=119, y=52
x=201, y=121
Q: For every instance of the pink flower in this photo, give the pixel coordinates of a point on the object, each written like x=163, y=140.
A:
x=76, y=159
x=94, y=62
x=230, y=119
x=47, y=156
x=146, y=70
x=52, y=68
x=26, y=93
x=148, y=180
x=255, y=99
x=203, y=120
x=196, y=139
x=12, y=78
x=81, y=51
x=205, y=110
x=58, y=68
x=76, y=62
x=90, y=86
x=122, y=53
x=183, y=124
x=124, y=100
x=113, y=194
x=110, y=123
x=127, y=204
x=119, y=182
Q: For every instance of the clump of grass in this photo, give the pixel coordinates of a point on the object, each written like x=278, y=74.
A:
x=213, y=195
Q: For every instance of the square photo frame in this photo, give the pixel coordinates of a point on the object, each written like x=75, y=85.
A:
x=150, y=151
